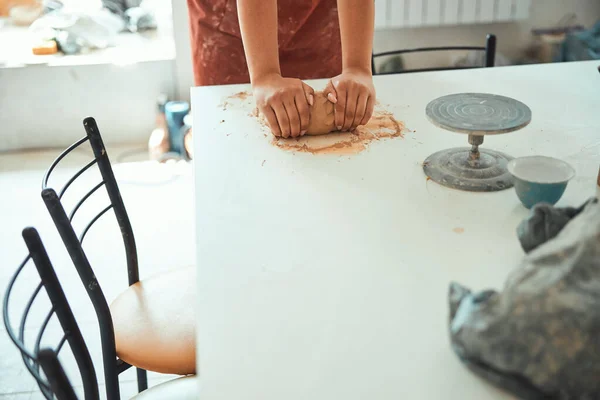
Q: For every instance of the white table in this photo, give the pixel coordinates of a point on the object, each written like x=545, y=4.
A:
x=326, y=277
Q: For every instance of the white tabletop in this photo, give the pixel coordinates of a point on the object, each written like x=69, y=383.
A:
x=326, y=276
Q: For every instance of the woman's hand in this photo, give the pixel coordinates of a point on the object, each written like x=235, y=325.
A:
x=353, y=94
x=285, y=103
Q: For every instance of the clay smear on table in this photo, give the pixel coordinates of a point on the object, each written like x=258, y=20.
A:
x=382, y=125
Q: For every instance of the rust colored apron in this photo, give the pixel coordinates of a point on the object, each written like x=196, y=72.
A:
x=309, y=41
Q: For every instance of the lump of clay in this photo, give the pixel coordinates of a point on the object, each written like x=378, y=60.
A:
x=538, y=338
x=322, y=119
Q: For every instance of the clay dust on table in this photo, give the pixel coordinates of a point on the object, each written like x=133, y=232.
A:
x=237, y=96
x=382, y=125
x=240, y=95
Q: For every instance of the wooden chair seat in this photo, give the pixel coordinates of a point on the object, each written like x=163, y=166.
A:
x=186, y=388
x=155, y=323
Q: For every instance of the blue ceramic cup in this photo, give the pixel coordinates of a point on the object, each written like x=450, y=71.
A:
x=540, y=179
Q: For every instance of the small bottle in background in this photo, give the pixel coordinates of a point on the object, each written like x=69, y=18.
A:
x=175, y=112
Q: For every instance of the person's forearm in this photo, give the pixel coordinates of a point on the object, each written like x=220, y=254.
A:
x=258, y=23
x=356, y=28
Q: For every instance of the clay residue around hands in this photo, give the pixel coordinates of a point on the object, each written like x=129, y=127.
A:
x=382, y=125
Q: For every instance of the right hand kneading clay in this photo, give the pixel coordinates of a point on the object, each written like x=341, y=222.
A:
x=322, y=117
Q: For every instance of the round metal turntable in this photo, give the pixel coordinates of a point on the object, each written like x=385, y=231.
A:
x=476, y=114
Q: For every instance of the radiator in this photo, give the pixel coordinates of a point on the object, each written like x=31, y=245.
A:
x=416, y=13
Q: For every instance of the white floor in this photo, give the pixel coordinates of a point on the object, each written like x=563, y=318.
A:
x=159, y=200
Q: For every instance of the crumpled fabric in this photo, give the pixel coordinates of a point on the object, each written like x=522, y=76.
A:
x=96, y=29
x=544, y=223
x=539, y=338
x=135, y=16
x=581, y=46
x=120, y=6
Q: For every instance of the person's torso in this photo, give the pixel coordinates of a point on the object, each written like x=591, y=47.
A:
x=296, y=18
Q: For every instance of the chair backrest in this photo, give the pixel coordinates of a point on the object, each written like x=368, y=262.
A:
x=55, y=383
x=489, y=49
x=112, y=189
x=73, y=243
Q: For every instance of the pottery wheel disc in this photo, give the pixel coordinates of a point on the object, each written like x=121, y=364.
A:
x=453, y=168
x=478, y=113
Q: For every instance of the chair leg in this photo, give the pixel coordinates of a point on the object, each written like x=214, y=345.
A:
x=142, y=379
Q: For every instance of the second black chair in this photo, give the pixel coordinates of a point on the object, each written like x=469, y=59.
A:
x=37, y=356
x=53, y=382
x=489, y=51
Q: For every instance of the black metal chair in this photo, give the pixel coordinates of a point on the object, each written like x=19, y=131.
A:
x=55, y=383
x=113, y=363
x=489, y=49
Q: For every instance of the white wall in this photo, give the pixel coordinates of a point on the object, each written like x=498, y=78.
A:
x=44, y=106
x=183, y=64
x=512, y=37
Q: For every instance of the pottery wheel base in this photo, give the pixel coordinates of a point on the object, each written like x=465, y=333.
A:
x=455, y=168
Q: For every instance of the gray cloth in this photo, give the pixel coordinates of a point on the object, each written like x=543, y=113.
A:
x=581, y=46
x=540, y=337
x=120, y=6
x=135, y=16
x=544, y=223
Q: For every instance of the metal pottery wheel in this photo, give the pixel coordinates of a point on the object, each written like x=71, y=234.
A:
x=476, y=114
